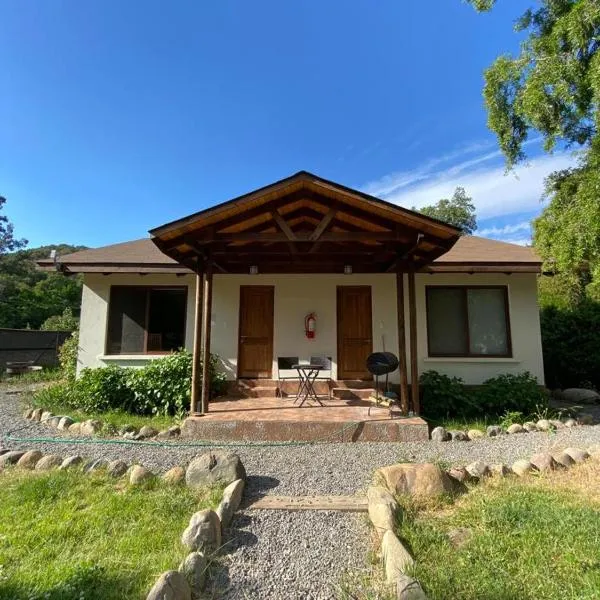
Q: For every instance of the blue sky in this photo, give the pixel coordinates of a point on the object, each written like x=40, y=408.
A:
x=116, y=117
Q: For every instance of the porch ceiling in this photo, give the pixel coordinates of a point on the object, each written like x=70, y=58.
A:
x=305, y=224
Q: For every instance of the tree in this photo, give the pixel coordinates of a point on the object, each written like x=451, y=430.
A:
x=458, y=211
x=553, y=87
x=8, y=243
x=64, y=322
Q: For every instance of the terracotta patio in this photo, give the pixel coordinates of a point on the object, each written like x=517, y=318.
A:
x=278, y=419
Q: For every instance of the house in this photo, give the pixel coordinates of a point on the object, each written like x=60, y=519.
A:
x=254, y=270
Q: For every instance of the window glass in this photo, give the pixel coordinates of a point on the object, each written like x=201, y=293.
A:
x=487, y=321
x=166, y=319
x=126, y=321
x=446, y=321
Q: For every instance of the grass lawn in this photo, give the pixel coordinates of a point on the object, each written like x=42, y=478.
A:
x=536, y=538
x=69, y=536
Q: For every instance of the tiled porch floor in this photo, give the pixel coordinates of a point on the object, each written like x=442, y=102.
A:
x=276, y=419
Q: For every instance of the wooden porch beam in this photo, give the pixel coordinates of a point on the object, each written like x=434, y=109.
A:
x=414, y=360
x=206, y=331
x=197, y=350
x=346, y=236
x=322, y=226
x=281, y=223
x=402, y=343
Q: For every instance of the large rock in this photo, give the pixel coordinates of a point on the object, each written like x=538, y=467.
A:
x=46, y=416
x=29, y=459
x=171, y=585
x=563, y=459
x=408, y=588
x=522, y=467
x=139, y=474
x=203, y=532
x=54, y=421
x=116, y=468
x=65, y=423
x=499, y=470
x=48, y=462
x=545, y=425
x=95, y=465
x=423, y=479
x=146, y=432
x=478, y=469
x=174, y=476
x=75, y=428
x=570, y=423
x=458, y=436
x=396, y=558
x=90, y=427
x=70, y=462
x=194, y=569
x=36, y=415
x=459, y=474
x=516, y=428
x=585, y=419
x=557, y=423
x=28, y=413
x=580, y=396
x=214, y=467
x=382, y=508
x=577, y=454
x=11, y=457
x=439, y=434
x=494, y=431
x=543, y=462
x=232, y=496
x=530, y=426
x=475, y=434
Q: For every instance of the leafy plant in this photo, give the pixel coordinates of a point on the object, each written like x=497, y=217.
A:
x=443, y=396
x=63, y=322
x=509, y=392
x=103, y=389
x=510, y=418
x=67, y=356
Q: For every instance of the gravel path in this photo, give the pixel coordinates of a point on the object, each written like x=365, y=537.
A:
x=280, y=555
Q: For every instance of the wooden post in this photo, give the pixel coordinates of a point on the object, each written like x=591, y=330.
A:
x=206, y=322
x=414, y=362
x=402, y=343
x=197, y=355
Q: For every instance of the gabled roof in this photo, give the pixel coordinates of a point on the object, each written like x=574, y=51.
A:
x=470, y=253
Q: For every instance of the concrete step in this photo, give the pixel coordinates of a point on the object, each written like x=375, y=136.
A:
x=344, y=393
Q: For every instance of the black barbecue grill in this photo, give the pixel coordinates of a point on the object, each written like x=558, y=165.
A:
x=382, y=363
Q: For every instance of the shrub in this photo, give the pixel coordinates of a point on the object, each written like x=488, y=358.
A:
x=102, y=389
x=510, y=393
x=571, y=345
x=67, y=356
x=64, y=322
x=443, y=396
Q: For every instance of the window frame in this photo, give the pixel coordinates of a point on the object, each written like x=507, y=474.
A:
x=465, y=319
x=147, y=289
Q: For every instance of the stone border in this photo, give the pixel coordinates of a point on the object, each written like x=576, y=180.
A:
x=441, y=434
x=93, y=426
x=384, y=510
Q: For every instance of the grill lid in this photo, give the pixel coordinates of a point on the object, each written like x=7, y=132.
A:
x=382, y=363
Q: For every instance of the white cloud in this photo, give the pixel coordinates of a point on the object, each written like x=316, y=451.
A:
x=505, y=229
x=521, y=241
x=494, y=192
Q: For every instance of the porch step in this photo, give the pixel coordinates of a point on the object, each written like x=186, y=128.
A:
x=345, y=393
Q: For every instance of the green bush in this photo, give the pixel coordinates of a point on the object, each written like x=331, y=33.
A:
x=163, y=387
x=510, y=393
x=64, y=322
x=103, y=389
x=67, y=356
x=443, y=396
x=571, y=345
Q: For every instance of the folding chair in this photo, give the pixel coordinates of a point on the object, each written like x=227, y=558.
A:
x=325, y=373
x=286, y=372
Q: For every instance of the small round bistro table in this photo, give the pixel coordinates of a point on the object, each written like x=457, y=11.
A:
x=307, y=375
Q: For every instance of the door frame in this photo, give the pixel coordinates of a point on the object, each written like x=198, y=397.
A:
x=369, y=377
x=239, y=330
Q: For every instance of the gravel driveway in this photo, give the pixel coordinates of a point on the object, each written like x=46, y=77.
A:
x=281, y=555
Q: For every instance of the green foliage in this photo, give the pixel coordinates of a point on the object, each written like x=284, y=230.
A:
x=163, y=387
x=510, y=417
x=444, y=397
x=29, y=296
x=458, y=211
x=64, y=322
x=571, y=344
x=508, y=392
x=104, y=389
x=67, y=356
x=8, y=242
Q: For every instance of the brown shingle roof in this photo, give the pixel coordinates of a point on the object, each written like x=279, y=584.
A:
x=470, y=253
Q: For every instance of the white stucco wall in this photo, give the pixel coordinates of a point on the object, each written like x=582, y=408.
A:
x=297, y=295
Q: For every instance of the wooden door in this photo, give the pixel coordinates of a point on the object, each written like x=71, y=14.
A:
x=354, y=331
x=255, y=348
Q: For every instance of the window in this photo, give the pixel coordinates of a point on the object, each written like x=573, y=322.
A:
x=468, y=321
x=143, y=320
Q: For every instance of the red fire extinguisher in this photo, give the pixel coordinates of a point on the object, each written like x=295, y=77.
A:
x=310, y=322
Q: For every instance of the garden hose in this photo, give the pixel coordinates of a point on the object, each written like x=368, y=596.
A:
x=9, y=437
